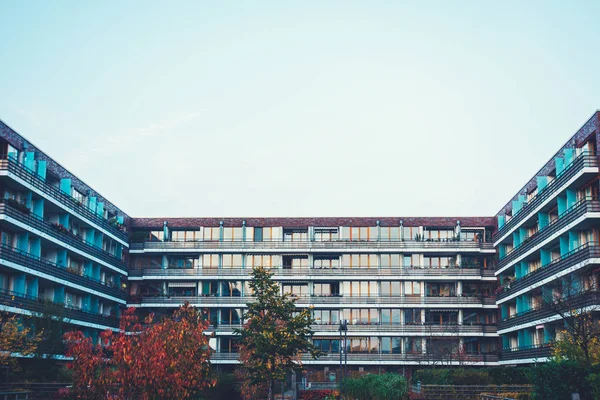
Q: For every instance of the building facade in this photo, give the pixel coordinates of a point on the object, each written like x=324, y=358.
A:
x=64, y=247
x=548, y=250
x=413, y=291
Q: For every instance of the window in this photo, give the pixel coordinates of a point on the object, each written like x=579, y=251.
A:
x=391, y=345
x=295, y=261
x=231, y=234
x=232, y=261
x=391, y=261
x=295, y=235
x=326, y=261
x=327, y=317
x=360, y=289
x=263, y=260
x=184, y=262
x=157, y=236
x=258, y=234
x=390, y=234
x=392, y=288
x=231, y=316
x=212, y=234
x=410, y=232
x=327, y=345
x=231, y=288
x=326, y=234
x=185, y=236
x=412, y=261
x=295, y=289
x=359, y=260
x=412, y=345
x=412, y=316
x=439, y=262
x=210, y=288
x=78, y=196
x=210, y=261
x=390, y=316
x=412, y=288
x=327, y=289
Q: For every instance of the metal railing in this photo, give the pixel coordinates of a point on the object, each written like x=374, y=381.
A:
x=424, y=329
x=39, y=264
x=545, y=310
x=580, y=162
x=41, y=306
x=55, y=231
x=577, y=210
x=581, y=253
x=333, y=245
x=371, y=357
x=316, y=272
x=308, y=300
x=65, y=199
x=525, y=352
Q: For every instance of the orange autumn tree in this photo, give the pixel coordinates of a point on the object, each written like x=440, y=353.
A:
x=163, y=360
x=15, y=338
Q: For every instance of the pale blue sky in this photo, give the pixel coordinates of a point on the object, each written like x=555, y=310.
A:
x=324, y=108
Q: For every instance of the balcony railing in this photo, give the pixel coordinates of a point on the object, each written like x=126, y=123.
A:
x=526, y=352
x=577, y=210
x=423, y=329
x=582, y=161
x=48, y=228
x=65, y=199
x=313, y=245
x=582, y=253
x=578, y=301
x=315, y=272
x=316, y=300
x=41, y=307
x=334, y=358
x=39, y=264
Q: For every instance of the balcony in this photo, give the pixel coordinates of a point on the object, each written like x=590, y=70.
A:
x=31, y=178
x=582, y=161
x=450, y=246
x=582, y=253
x=39, y=264
x=40, y=306
x=241, y=301
x=358, y=358
x=61, y=234
x=534, y=352
x=545, y=311
x=417, y=329
x=577, y=210
x=335, y=273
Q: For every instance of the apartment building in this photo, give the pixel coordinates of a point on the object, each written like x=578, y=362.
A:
x=414, y=291
x=548, y=250
x=63, y=246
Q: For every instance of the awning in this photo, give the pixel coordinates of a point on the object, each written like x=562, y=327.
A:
x=182, y=284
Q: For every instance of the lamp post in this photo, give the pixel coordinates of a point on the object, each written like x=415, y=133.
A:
x=343, y=353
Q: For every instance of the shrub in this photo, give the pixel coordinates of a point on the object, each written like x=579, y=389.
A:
x=318, y=394
x=375, y=387
x=557, y=380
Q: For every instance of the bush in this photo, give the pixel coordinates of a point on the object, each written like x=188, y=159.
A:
x=557, y=380
x=474, y=376
x=375, y=387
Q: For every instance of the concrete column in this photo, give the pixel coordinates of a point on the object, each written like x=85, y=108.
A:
x=460, y=316
x=459, y=288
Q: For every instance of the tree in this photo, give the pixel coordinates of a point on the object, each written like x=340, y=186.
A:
x=580, y=339
x=275, y=335
x=15, y=338
x=164, y=360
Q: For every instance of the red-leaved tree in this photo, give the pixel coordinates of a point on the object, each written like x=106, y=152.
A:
x=168, y=359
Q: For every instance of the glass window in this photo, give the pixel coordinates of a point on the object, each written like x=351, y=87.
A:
x=210, y=261
x=412, y=288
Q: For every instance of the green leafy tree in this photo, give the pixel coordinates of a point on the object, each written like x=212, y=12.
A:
x=275, y=335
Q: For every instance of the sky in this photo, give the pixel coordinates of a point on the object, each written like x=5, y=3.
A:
x=306, y=108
